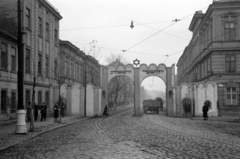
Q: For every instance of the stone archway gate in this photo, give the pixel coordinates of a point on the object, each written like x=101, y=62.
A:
x=137, y=75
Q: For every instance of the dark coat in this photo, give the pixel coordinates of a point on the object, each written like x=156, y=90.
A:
x=56, y=111
x=205, y=110
x=105, y=112
x=44, y=109
x=36, y=108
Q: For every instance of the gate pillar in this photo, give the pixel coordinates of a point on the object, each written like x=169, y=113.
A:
x=137, y=92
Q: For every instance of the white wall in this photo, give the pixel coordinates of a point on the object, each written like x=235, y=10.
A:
x=201, y=93
x=90, y=101
x=75, y=100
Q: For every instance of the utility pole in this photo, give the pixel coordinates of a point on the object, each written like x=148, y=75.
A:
x=21, y=127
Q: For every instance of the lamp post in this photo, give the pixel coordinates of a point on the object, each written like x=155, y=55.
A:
x=21, y=127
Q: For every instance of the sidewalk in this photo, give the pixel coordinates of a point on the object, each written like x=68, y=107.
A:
x=220, y=118
x=8, y=137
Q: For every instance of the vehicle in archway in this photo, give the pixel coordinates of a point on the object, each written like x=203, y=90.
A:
x=151, y=106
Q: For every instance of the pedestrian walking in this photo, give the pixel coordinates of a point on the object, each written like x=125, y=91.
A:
x=36, y=108
x=205, y=110
x=29, y=112
x=105, y=112
x=63, y=107
x=43, y=112
x=56, y=111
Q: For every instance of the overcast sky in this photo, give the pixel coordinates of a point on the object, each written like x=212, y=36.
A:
x=108, y=22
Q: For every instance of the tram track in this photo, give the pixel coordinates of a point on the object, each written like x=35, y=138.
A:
x=202, y=138
x=188, y=134
x=143, y=148
x=169, y=149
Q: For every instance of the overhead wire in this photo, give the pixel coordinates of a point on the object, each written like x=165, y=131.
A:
x=139, y=22
x=142, y=40
x=109, y=26
x=176, y=20
x=149, y=37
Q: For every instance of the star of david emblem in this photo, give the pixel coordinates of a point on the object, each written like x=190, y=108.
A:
x=136, y=62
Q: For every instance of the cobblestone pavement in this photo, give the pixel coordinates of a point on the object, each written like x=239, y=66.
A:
x=126, y=136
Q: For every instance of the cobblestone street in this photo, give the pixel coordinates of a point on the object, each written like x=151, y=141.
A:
x=126, y=136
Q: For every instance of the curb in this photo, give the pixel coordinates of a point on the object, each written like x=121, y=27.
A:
x=57, y=127
x=40, y=133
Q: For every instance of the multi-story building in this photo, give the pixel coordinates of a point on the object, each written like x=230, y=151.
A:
x=92, y=71
x=41, y=28
x=72, y=61
x=8, y=75
x=213, y=53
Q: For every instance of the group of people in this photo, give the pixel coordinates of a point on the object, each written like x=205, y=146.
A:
x=43, y=111
x=186, y=106
x=36, y=108
x=56, y=111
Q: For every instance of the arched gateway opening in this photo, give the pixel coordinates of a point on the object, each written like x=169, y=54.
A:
x=137, y=75
x=153, y=94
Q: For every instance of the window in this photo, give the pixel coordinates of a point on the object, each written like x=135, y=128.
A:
x=46, y=67
x=13, y=101
x=78, y=78
x=40, y=31
x=13, y=59
x=27, y=62
x=66, y=63
x=4, y=100
x=211, y=33
x=47, y=98
x=229, y=21
x=81, y=74
x=231, y=95
x=39, y=64
x=47, y=32
x=229, y=31
x=28, y=97
x=55, y=37
x=75, y=72
x=72, y=70
x=28, y=18
x=55, y=69
x=39, y=98
x=209, y=64
x=230, y=63
x=4, y=56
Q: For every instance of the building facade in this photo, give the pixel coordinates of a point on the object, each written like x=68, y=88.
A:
x=213, y=53
x=76, y=71
x=41, y=48
x=72, y=61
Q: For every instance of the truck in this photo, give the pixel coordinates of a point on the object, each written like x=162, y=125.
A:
x=153, y=106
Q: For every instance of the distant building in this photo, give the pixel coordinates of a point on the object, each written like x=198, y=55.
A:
x=213, y=53
x=41, y=27
x=73, y=65
x=72, y=61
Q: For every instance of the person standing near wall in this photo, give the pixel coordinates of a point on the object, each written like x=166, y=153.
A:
x=36, y=108
x=43, y=112
x=205, y=110
x=56, y=111
x=29, y=112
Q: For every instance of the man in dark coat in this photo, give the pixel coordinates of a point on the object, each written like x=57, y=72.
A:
x=29, y=112
x=63, y=107
x=56, y=111
x=36, y=108
x=205, y=110
x=105, y=112
x=43, y=112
